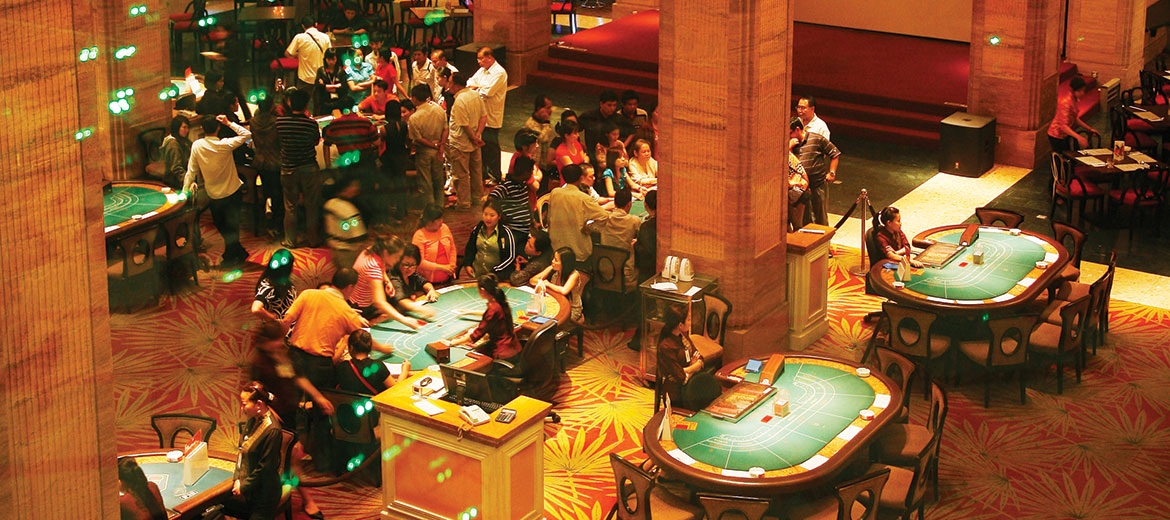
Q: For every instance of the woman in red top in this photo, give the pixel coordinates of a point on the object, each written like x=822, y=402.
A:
x=496, y=334
x=887, y=227
x=571, y=151
x=1067, y=118
x=139, y=498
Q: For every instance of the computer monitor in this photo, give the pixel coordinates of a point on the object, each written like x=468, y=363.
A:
x=469, y=384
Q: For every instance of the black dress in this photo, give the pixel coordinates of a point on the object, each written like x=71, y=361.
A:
x=258, y=470
x=394, y=164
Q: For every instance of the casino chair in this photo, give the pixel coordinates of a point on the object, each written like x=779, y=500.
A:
x=710, y=342
x=1073, y=239
x=288, y=439
x=352, y=425
x=569, y=9
x=857, y=499
x=1049, y=342
x=1070, y=188
x=1121, y=131
x=608, y=282
x=639, y=497
x=871, y=245
x=917, y=334
x=168, y=426
x=182, y=243
x=1097, y=319
x=542, y=211
x=897, y=367
x=902, y=444
x=905, y=490
x=1139, y=193
x=540, y=358
x=988, y=216
x=132, y=271
x=1000, y=345
x=149, y=141
x=725, y=507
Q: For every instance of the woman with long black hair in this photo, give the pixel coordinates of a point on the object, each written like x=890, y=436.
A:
x=496, y=334
x=139, y=498
x=274, y=290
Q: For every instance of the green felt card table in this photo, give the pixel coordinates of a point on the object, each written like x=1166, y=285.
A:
x=449, y=323
x=181, y=501
x=134, y=205
x=1008, y=276
x=808, y=448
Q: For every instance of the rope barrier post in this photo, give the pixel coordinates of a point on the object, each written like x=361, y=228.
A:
x=862, y=201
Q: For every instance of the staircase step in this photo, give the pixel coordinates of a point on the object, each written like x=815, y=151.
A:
x=886, y=133
x=564, y=51
x=589, y=85
x=832, y=109
x=822, y=92
x=591, y=70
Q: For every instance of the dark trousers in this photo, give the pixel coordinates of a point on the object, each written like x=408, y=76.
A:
x=491, y=154
x=309, y=89
x=240, y=507
x=315, y=435
x=302, y=181
x=394, y=175
x=225, y=213
x=270, y=179
x=1059, y=144
x=818, y=204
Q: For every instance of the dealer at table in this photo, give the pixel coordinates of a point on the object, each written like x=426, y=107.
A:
x=890, y=238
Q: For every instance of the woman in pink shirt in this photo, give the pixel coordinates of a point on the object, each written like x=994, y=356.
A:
x=434, y=239
x=1067, y=118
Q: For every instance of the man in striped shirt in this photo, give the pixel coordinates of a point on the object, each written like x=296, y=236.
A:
x=819, y=157
x=300, y=175
x=513, y=195
x=357, y=146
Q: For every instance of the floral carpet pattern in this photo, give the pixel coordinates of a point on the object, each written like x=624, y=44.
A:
x=1099, y=451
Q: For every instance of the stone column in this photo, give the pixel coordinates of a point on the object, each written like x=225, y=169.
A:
x=724, y=86
x=522, y=26
x=57, y=404
x=1015, y=80
x=624, y=8
x=1108, y=37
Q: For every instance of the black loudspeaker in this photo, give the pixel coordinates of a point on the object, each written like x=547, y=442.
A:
x=966, y=144
x=465, y=61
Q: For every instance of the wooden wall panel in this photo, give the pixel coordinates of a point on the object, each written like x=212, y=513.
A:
x=56, y=409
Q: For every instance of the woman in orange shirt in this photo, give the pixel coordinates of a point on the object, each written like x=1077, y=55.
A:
x=437, y=245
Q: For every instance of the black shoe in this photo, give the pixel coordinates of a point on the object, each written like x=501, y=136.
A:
x=317, y=515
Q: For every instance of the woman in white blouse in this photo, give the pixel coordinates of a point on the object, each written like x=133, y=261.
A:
x=643, y=167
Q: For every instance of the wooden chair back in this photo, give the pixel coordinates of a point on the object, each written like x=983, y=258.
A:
x=181, y=234
x=715, y=323
x=541, y=376
x=1072, y=324
x=989, y=216
x=168, y=426
x=938, y=411
x=136, y=252
x=1008, y=344
x=609, y=269
x=897, y=367
x=1103, y=318
x=542, y=211
x=725, y=507
x=633, y=489
x=1064, y=232
x=866, y=491
x=1061, y=173
x=926, y=460
x=354, y=418
x=910, y=329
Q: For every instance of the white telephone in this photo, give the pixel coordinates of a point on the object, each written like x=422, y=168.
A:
x=473, y=415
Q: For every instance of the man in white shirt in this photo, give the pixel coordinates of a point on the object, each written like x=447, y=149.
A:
x=213, y=167
x=309, y=49
x=465, y=140
x=806, y=109
x=491, y=83
x=423, y=72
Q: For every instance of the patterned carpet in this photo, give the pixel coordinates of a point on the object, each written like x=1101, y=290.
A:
x=1100, y=451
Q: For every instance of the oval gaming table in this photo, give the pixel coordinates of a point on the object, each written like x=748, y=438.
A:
x=448, y=323
x=1007, y=278
x=805, y=449
x=186, y=502
x=134, y=205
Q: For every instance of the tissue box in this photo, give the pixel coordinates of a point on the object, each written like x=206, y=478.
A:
x=195, y=464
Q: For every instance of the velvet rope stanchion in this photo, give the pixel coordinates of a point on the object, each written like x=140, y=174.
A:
x=863, y=197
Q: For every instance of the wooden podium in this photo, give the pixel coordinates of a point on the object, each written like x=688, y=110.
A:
x=808, y=285
x=431, y=471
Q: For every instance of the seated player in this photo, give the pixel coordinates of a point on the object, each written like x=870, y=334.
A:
x=275, y=291
x=408, y=284
x=495, y=335
x=526, y=145
x=682, y=366
x=538, y=255
x=350, y=22
x=359, y=74
x=374, y=291
x=620, y=230
x=643, y=165
x=256, y=487
x=588, y=179
x=887, y=227
x=361, y=374
x=491, y=248
x=138, y=498
x=437, y=245
x=565, y=281
x=374, y=105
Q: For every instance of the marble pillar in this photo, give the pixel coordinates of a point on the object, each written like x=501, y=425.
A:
x=1107, y=37
x=57, y=405
x=1015, y=80
x=724, y=87
x=521, y=26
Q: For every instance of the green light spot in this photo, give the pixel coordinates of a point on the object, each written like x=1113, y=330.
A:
x=447, y=473
x=440, y=478
x=993, y=39
x=465, y=516
x=474, y=512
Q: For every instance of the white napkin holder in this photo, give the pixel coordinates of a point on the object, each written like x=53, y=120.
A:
x=195, y=464
x=686, y=272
